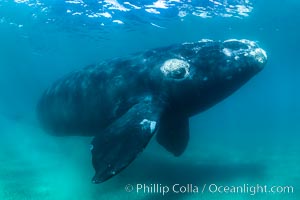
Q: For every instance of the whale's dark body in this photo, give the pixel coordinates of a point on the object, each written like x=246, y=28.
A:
x=124, y=101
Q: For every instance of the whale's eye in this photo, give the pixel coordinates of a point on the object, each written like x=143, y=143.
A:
x=175, y=69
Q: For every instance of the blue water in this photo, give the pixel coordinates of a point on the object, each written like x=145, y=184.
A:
x=252, y=137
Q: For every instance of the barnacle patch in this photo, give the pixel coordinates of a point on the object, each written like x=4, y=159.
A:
x=175, y=69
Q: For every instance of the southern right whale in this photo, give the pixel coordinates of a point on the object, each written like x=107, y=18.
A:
x=124, y=101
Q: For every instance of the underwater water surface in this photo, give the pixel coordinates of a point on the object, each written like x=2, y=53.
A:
x=250, y=138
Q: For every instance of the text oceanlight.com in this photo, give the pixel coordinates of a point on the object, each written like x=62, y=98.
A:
x=208, y=188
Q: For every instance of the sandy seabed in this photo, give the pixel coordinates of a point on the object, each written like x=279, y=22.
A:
x=36, y=166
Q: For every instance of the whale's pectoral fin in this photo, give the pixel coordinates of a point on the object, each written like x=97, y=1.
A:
x=122, y=141
x=173, y=133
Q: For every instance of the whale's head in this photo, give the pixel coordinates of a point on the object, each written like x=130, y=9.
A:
x=205, y=72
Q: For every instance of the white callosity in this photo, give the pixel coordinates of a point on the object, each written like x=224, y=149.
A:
x=148, y=124
x=227, y=52
x=259, y=54
x=175, y=69
x=205, y=40
x=252, y=51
